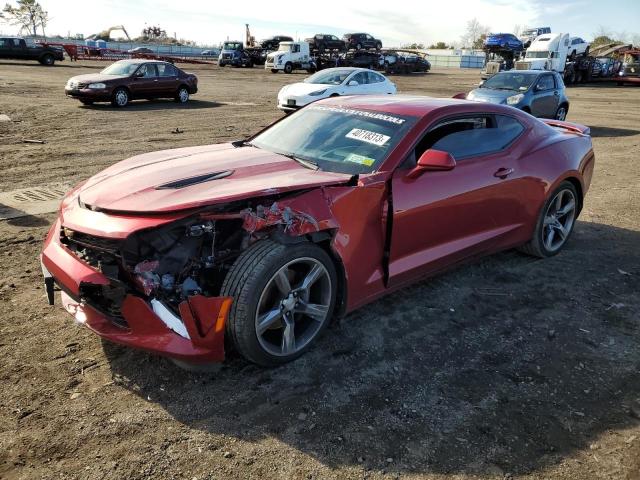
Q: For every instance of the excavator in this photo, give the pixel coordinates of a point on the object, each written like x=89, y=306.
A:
x=106, y=34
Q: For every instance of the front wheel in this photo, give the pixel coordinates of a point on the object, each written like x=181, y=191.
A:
x=288, y=68
x=555, y=223
x=47, y=60
x=182, y=95
x=284, y=296
x=274, y=70
x=561, y=113
x=120, y=97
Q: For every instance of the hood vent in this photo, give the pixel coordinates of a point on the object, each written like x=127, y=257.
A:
x=187, y=182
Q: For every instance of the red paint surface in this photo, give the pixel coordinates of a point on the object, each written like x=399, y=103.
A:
x=389, y=229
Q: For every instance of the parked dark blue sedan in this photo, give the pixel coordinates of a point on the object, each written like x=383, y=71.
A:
x=538, y=92
x=505, y=41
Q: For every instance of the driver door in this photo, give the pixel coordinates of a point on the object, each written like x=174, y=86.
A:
x=443, y=217
x=360, y=89
x=545, y=97
x=145, y=81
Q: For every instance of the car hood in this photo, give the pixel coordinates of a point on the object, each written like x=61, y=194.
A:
x=490, y=96
x=302, y=88
x=192, y=177
x=96, y=77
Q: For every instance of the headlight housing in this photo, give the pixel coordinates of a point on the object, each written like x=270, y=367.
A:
x=96, y=86
x=515, y=99
x=319, y=92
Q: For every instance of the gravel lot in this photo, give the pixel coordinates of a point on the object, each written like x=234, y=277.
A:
x=510, y=367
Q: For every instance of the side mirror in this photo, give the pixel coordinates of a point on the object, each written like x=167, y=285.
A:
x=433, y=160
x=353, y=83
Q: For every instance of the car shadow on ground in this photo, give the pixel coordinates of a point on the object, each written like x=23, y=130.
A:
x=597, y=131
x=510, y=363
x=18, y=218
x=159, y=104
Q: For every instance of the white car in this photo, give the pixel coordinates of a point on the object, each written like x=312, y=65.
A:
x=578, y=47
x=333, y=82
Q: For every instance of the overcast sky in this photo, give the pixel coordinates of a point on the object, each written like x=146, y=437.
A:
x=394, y=21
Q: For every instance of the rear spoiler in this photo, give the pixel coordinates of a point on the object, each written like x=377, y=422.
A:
x=572, y=127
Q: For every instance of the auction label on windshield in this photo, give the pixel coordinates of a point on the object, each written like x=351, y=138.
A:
x=368, y=136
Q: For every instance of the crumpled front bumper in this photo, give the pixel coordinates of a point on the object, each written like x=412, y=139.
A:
x=203, y=317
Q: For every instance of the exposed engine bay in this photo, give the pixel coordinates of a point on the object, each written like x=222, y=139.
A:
x=179, y=260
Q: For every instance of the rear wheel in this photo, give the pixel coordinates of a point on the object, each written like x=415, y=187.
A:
x=283, y=296
x=555, y=223
x=182, y=95
x=120, y=97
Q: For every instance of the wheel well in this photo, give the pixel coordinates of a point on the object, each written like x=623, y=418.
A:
x=334, y=95
x=122, y=87
x=565, y=105
x=578, y=186
x=526, y=109
x=185, y=86
x=341, y=294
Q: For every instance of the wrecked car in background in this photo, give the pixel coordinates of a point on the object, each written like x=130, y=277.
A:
x=261, y=242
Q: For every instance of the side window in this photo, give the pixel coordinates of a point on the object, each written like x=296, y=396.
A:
x=471, y=136
x=545, y=82
x=375, y=78
x=296, y=48
x=334, y=38
x=4, y=43
x=360, y=77
x=149, y=70
x=166, y=70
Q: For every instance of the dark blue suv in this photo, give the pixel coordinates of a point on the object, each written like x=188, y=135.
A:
x=506, y=41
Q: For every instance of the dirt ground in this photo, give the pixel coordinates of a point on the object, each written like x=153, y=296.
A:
x=510, y=367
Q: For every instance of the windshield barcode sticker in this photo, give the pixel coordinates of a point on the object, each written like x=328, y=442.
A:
x=368, y=136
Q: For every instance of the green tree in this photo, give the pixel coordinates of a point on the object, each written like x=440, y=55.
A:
x=26, y=14
x=414, y=46
x=440, y=46
x=603, y=40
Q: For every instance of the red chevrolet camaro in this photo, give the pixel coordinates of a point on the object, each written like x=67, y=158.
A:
x=261, y=242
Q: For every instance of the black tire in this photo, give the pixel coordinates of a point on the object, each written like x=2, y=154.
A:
x=561, y=112
x=274, y=70
x=245, y=282
x=536, y=247
x=288, y=67
x=378, y=46
x=182, y=95
x=120, y=97
x=359, y=46
x=47, y=59
x=221, y=65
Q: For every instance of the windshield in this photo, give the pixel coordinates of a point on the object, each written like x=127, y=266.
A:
x=284, y=47
x=232, y=46
x=329, y=77
x=543, y=54
x=336, y=139
x=528, y=33
x=124, y=68
x=510, y=81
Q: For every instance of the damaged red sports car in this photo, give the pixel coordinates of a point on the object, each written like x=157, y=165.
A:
x=255, y=245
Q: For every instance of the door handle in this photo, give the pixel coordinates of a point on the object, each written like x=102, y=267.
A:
x=503, y=172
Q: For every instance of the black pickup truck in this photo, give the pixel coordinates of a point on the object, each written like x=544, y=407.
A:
x=17, y=49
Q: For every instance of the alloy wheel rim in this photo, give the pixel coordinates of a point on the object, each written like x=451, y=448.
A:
x=293, y=307
x=562, y=113
x=184, y=95
x=558, y=220
x=121, y=98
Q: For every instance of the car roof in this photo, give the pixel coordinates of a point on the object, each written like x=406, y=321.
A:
x=414, y=105
x=139, y=61
x=351, y=69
